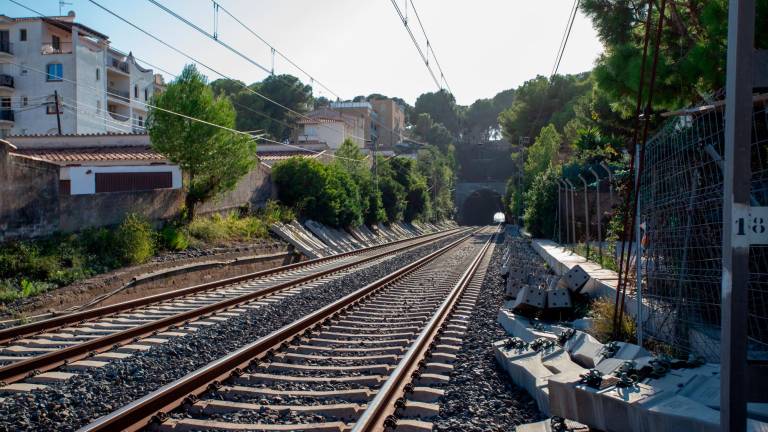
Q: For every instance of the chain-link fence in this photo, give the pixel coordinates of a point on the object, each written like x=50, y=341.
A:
x=681, y=203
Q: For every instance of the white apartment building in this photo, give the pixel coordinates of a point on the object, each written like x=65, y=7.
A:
x=99, y=89
x=331, y=128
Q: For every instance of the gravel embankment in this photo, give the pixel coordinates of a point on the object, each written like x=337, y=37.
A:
x=69, y=405
x=480, y=396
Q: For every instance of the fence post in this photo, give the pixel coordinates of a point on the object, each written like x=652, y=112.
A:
x=567, y=228
x=599, y=216
x=586, y=214
x=559, y=216
x=735, y=385
x=573, y=213
x=610, y=181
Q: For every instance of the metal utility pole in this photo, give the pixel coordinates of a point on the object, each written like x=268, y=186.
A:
x=737, y=223
x=58, y=108
x=559, y=215
x=586, y=214
x=599, y=216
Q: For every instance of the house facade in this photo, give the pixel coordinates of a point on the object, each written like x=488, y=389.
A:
x=45, y=60
x=390, y=117
x=331, y=128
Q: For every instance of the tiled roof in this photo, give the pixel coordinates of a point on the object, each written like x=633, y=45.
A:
x=271, y=158
x=64, y=156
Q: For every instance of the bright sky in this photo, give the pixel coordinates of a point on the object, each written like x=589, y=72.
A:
x=355, y=47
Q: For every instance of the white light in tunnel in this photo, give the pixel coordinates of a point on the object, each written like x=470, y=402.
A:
x=498, y=217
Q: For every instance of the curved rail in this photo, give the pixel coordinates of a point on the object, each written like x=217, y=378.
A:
x=31, y=366
x=154, y=406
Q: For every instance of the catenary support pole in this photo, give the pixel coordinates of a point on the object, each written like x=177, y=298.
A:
x=573, y=213
x=736, y=189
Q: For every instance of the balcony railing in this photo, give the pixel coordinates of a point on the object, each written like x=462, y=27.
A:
x=6, y=114
x=119, y=94
x=118, y=117
x=119, y=65
x=6, y=81
x=6, y=47
x=49, y=48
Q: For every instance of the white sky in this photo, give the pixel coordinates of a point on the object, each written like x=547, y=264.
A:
x=355, y=47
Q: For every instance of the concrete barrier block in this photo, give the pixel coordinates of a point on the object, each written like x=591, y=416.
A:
x=576, y=278
x=513, y=287
x=516, y=325
x=584, y=349
x=531, y=297
x=559, y=361
x=562, y=395
x=618, y=405
x=558, y=298
x=678, y=413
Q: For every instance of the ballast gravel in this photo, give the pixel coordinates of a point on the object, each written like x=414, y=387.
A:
x=68, y=405
x=480, y=396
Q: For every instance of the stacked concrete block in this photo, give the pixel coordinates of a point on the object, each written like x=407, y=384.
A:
x=531, y=297
x=575, y=279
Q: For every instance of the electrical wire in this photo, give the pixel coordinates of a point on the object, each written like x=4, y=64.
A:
x=566, y=36
x=275, y=50
x=416, y=44
x=429, y=46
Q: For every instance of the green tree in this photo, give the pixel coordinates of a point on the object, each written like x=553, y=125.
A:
x=543, y=153
x=325, y=193
x=541, y=203
x=351, y=159
x=692, y=52
x=441, y=107
x=211, y=158
x=435, y=167
x=539, y=102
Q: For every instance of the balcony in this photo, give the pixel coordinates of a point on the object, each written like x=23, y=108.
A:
x=6, y=115
x=6, y=48
x=119, y=95
x=119, y=117
x=119, y=65
x=51, y=48
x=6, y=84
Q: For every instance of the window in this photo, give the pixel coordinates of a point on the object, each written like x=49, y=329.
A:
x=136, y=181
x=135, y=91
x=98, y=73
x=141, y=121
x=146, y=94
x=56, y=43
x=55, y=72
x=23, y=35
x=5, y=103
x=24, y=101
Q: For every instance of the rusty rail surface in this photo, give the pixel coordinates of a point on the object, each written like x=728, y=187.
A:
x=11, y=333
x=25, y=368
x=155, y=406
x=381, y=411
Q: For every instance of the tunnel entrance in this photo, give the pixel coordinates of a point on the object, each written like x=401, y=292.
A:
x=479, y=207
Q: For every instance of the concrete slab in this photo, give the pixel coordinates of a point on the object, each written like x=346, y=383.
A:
x=584, y=349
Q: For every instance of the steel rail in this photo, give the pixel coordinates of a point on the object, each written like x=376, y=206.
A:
x=380, y=413
x=11, y=333
x=25, y=368
x=154, y=406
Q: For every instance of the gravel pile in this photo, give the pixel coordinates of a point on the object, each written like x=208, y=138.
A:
x=75, y=402
x=480, y=396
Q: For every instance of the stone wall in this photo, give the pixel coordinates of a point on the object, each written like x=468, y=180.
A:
x=253, y=190
x=29, y=191
x=30, y=204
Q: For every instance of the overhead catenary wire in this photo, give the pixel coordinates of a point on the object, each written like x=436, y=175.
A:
x=566, y=36
x=416, y=44
x=430, y=47
x=275, y=50
x=206, y=66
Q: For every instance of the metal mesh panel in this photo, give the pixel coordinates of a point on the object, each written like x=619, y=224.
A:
x=681, y=205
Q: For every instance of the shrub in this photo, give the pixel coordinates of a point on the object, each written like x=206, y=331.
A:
x=208, y=229
x=135, y=240
x=541, y=204
x=601, y=310
x=173, y=238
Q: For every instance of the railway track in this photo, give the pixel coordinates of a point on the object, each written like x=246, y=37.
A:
x=95, y=337
x=372, y=360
